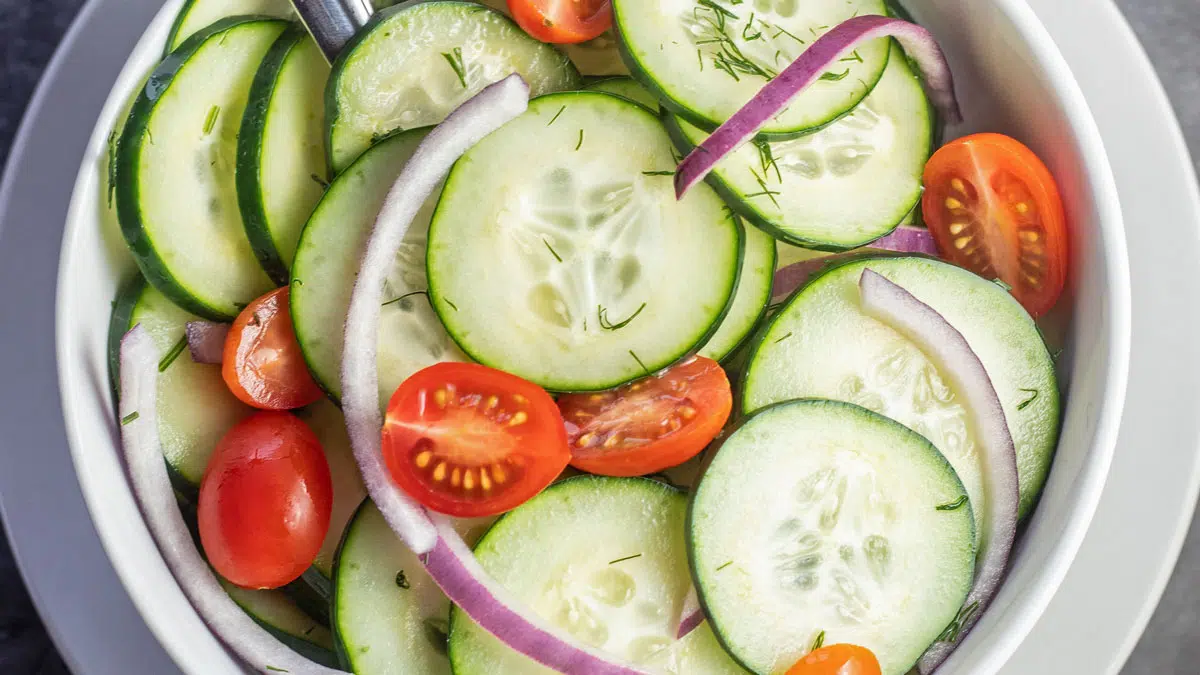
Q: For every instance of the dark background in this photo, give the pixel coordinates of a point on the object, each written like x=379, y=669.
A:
x=1170, y=29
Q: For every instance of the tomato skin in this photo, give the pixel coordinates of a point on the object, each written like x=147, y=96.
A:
x=837, y=660
x=263, y=365
x=265, y=501
x=562, y=21
x=471, y=441
x=649, y=425
x=994, y=208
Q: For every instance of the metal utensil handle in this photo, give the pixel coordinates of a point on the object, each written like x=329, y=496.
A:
x=333, y=22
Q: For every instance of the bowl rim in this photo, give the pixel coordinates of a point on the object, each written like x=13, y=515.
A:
x=1097, y=174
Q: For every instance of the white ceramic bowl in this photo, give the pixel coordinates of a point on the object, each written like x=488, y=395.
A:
x=1011, y=79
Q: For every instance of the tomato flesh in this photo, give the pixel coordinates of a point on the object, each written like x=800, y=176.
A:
x=837, y=660
x=467, y=440
x=263, y=365
x=649, y=425
x=994, y=208
x=265, y=501
x=562, y=21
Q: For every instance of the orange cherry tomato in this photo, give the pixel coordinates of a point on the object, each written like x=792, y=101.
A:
x=993, y=208
x=265, y=501
x=467, y=440
x=562, y=21
x=263, y=365
x=837, y=660
x=650, y=425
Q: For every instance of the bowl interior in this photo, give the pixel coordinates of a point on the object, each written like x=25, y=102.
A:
x=1011, y=79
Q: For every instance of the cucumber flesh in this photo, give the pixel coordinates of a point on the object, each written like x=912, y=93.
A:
x=706, y=60
x=281, y=166
x=611, y=570
x=410, y=335
x=823, y=517
x=843, y=186
x=413, y=64
x=569, y=261
x=175, y=187
x=197, y=15
x=327, y=421
x=751, y=298
x=389, y=616
x=822, y=345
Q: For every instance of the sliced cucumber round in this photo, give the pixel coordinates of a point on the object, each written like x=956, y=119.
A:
x=196, y=15
x=626, y=87
x=410, y=335
x=195, y=407
x=822, y=345
x=281, y=163
x=328, y=423
x=843, y=186
x=277, y=613
x=175, y=189
x=413, y=64
x=568, y=261
x=706, y=60
x=389, y=617
x=611, y=570
x=751, y=298
x=823, y=517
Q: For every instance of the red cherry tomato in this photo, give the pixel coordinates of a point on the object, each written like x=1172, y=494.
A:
x=469, y=441
x=265, y=501
x=562, y=21
x=649, y=425
x=837, y=660
x=263, y=364
x=993, y=208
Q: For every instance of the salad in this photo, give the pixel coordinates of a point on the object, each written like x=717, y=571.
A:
x=601, y=337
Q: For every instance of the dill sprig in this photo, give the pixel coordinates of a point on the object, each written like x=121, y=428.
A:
x=552, y=251
x=211, y=121
x=170, y=357
x=455, y=59
x=602, y=314
x=628, y=557
x=405, y=297
x=954, y=505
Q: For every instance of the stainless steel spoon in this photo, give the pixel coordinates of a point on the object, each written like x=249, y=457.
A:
x=333, y=22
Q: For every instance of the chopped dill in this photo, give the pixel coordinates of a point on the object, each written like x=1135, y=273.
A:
x=211, y=121
x=725, y=565
x=835, y=77
x=552, y=251
x=628, y=557
x=658, y=173
x=130, y=418
x=455, y=59
x=557, y=115
x=452, y=305
x=170, y=357
x=819, y=642
x=1033, y=395
x=954, y=505
x=405, y=297
x=580, y=143
x=602, y=314
x=639, y=362
x=783, y=338
x=319, y=181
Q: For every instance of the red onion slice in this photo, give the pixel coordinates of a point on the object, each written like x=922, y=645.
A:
x=775, y=97
x=152, y=487
x=954, y=358
x=445, y=555
x=206, y=341
x=691, y=615
x=907, y=239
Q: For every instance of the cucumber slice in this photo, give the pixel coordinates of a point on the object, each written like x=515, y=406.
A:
x=388, y=615
x=611, y=569
x=843, y=186
x=751, y=298
x=197, y=15
x=707, y=58
x=175, y=190
x=819, y=516
x=277, y=613
x=568, y=261
x=822, y=345
x=626, y=87
x=413, y=64
x=410, y=335
x=195, y=408
x=328, y=423
x=281, y=165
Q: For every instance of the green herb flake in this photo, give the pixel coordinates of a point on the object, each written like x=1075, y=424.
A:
x=113, y=143
x=452, y=305
x=954, y=505
x=580, y=143
x=658, y=173
x=552, y=251
x=319, y=181
x=455, y=59
x=725, y=565
x=602, y=314
x=276, y=670
x=960, y=622
x=402, y=580
x=557, y=115
x=835, y=77
x=854, y=56
x=628, y=557
x=1033, y=395
x=819, y=642
x=176, y=350
x=130, y=418
x=639, y=362
x=406, y=296
x=783, y=338
x=211, y=121
x=1002, y=284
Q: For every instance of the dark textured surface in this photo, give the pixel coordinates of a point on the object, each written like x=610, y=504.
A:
x=29, y=30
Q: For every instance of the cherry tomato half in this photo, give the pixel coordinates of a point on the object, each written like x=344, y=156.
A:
x=467, y=440
x=994, y=208
x=649, y=425
x=263, y=364
x=562, y=21
x=837, y=660
x=265, y=501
